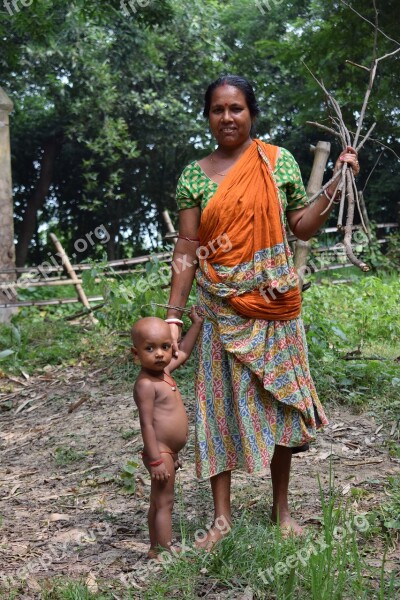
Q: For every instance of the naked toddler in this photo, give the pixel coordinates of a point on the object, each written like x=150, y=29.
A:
x=163, y=419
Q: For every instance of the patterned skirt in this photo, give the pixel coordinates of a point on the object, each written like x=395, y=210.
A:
x=253, y=390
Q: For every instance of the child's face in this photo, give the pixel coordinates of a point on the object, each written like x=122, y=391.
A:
x=154, y=349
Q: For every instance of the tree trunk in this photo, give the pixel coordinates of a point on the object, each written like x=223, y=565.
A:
x=28, y=227
x=7, y=251
x=302, y=250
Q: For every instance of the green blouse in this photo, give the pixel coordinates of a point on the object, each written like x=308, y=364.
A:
x=196, y=189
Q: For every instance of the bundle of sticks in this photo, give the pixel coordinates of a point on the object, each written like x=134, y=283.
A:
x=346, y=185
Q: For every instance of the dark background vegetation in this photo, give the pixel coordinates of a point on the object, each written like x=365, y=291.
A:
x=107, y=106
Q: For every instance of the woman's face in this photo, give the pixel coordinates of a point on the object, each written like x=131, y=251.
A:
x=230, y=119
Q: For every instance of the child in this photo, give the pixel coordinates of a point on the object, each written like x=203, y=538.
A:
x=163, y=419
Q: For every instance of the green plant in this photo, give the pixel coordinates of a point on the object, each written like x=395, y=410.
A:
x=128, y=476
x=73, y=590
x=65, y=456
x=128, y=434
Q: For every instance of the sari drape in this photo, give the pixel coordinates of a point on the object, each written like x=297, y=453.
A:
x=253, y=267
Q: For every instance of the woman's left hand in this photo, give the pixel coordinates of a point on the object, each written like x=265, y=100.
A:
x=348, y=155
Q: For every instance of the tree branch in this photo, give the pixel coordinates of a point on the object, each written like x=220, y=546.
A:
x=370, y=22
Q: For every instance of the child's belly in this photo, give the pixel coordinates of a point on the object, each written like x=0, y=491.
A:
x=171, y=428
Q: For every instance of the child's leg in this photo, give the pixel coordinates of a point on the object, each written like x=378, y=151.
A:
x=161, y=504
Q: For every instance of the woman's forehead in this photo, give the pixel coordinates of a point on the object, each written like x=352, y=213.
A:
x=227, y=94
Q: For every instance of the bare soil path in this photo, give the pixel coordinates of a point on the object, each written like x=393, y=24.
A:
x=64, y=511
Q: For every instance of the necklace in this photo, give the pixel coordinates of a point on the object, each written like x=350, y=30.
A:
x=172, y=385
x=216, y=172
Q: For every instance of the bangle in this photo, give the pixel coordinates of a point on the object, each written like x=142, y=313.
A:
x=183, y=237
x=331, y=198
x=174, y=321
x=155, y=463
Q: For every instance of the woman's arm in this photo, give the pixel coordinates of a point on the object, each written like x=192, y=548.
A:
x=305, y=222
x=184, y=263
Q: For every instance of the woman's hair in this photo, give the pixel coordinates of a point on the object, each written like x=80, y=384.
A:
x=239, y=82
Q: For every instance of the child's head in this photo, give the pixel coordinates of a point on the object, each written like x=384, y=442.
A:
x=152, y=343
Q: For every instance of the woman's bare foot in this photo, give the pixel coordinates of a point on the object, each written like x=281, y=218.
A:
x=214, y=535
x=157, y=553
x=288, y=526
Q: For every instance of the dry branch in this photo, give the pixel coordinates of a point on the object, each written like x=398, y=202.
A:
x=347, y=186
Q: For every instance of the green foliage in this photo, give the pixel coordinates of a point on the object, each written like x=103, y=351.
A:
x=65, y=456
x=350, y=322
x=128, y=299
x=63, y=590
x=36, y=339
x=128, y=476
x=390, y=511
x=122, y=94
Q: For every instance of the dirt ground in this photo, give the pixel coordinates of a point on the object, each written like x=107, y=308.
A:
x=63, y=509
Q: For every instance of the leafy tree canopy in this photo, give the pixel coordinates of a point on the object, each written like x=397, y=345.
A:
x=108, y=101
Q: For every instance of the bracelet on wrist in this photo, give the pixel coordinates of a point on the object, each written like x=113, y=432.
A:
x=174, y=321
x=156, y=463
x=333, y=198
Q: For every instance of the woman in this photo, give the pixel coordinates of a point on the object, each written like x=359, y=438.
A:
x=256, y=401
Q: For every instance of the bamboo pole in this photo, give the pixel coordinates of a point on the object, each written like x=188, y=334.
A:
x=68, y=267
x=170, y=227
x=302, y=249
x=138, y=260
x=7, y=250
x=52, y=302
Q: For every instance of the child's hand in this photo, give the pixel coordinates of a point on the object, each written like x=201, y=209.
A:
x=194, y=315
x=159, y=472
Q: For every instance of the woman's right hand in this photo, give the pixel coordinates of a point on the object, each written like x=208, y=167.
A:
x=176, y=338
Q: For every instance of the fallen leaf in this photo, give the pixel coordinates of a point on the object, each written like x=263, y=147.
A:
x=58, y=517
x=22, y=406
x=346, y=489
x=14, y=489
x=33, y=584
x=324, y=455
x=91, y=583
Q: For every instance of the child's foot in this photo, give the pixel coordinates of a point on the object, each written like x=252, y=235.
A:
x=153, y=554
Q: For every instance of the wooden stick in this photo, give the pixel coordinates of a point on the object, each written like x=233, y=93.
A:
x=83, y=313
x=350, y=62
x=76, y=405
x=169, y=224
x=162, y=256
x=59, y=301
x=68, y=267
x=349, y=226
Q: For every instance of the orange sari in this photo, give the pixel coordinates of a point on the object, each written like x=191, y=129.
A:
x=253, y=267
